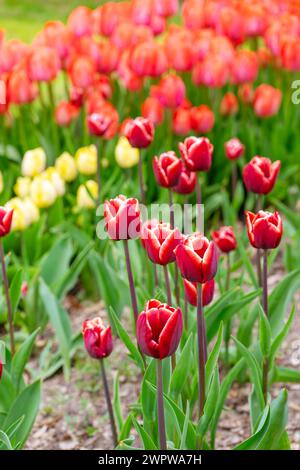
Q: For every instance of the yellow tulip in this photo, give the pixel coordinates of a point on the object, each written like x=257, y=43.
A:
x=52, y=175
x=66, y=167
x=42, y=192
x=22, y=186
x=126, y=155
x=34, y=162
x=86, y=160
x=19, y=221
x=32, y=212
x=1, y=182
x=84, y=193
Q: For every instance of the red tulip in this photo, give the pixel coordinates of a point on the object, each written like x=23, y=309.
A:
x=149, y=59
x=234, y=149
x=196, y=153
x=245, y=67
x=165, y=7
x=44, y=64
x=20, y=89
x=139, y=132
x=80, y=21
x=167, y=169
x=266, y=100
x=65, y=113
x=246, y=93
x=98, y=124
x=260, y=174
x=11, y=54
x=153, y=110
x=213, y=71
x=97, y=338
x=186, y=183
x=264, y=229
x=208, y=290
x=104, y=120
x=232, y=24
x=197, y=258
x=180, y=49
x=149, y=224
x=202, y=119
x=57, y=36
x=225, y=239
x=6, y=216
x=181, y=121
x=1, y=368
x=290, y=54
x=122, y=218
x=160, y=242
x=108, y=57
x=229, y=104
x=170, y=91
x=159, y=329
x=82, y=70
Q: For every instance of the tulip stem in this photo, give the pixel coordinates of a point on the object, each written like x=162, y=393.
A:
x=160, y=407
x=109, y=405
x=131, y=282
x=234, y=178
x=199, y=202
x=172, y=225
x=141, y=179
x=201, y=350
x=266, y=310
x=8, y=300
x=99, y=148
x=169, y=298
x=258, y=268
x=227, y=332
x=155, y=277
x=171, y=209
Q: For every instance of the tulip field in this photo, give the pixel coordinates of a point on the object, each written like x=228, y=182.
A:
x=150, y=226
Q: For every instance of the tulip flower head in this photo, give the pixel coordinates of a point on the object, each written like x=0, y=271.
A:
x=153, y=110
x=197, y=258
x=264, y=229
x=126, y=155
x=229, y=105
x=159, y=329
x=167, y=169
x=234, y=149
x=225, y=239
x=160, y=242
x=196, y=153
x=186, y=183
x=87, y=194
x=6, y=216
x=260, y=175
x=202, y=119
x=266, y=100
x=97, y=338
x=98, y=124
x=139, y=132
x=1, y=369
x=190, y=289
x=170, y=91
x=122, y=218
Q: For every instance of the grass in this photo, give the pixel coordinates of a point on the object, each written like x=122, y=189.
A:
x=22, y=19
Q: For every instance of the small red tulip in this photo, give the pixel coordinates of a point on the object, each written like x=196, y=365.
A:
x=186, y=183
x=148, y=224
x=160, y=242
x=197, y=258
x=82, y=71
x=229, y=105
x=159, y=329
x=44, y=64
x=6, y=216
x=170, y=91
x=202, y=119
x=260, y=174
x=208, y=290
x=139, y=132
x=97, y=338
x=65, y=113
x=149, y=59
x=266, y=100
x=98, y=124
x=244, y=67
x=225, y=239
x=264, y=229
x=196, y=153
x=167, y=169
x=181, y=121
x=20, y=89
x=122, y=218
x=234, y=149
x=80, y=21
x=153, y=110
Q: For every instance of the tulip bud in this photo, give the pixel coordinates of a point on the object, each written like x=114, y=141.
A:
x=260, y=174
x=170, y=91
x=87, y=194
x=98, y=124
x=6, y=216
x=97, y=338
x=66, y=166
x=1, y=368
x=122, y=218
x=202, y=119
x=266, y=100
x=126, y=155
x=234, y=149
x=186, y=183
x=86, y=160
x=225, y=239
x=34, y=162
x=190, y=289
x=65, y=113
x=197, y=153
x=139, y=132
x=229, y=105
x=181, y=122
x=167, y=169
x=160, y=242
x=159, y=329
x=197, y=258
x=153, y=110
x=264, y=229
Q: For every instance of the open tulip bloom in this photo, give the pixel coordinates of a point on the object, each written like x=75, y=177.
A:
x=260, y=174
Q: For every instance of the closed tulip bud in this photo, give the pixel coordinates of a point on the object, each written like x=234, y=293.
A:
x=44, y=64
x=148, y=224
x=260, y=175
x=246, y=93
x=6, y=216
x=20, y=89
x=213, y=72
x=66, y=166
x=80, y=22
x=264, y=229
x=86, y=160
x=160, y=242
x=153, y=110
x=165, y=7
x=244, y=67
x=208, y=290
x=52, y=175
x=149, y=59
x=197, y=258
x=139, y=132
x=170, y=91
x=167, y=168
x=22, y=186
x=181, y=122
x=225, y=239
x=159, y=329
x=34, y=162
x=266, y=100
x=87, y=194
x=122, y=218
x=229, y=105
x=65, y=112
x=97, y=338
x=202, y=119
x=186, y=183
x=234, y=149
x=126, y=155
x=98, y=124
x=42, y=192
x=197, y=153
x=82, y=71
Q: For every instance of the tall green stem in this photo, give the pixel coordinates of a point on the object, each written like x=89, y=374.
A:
x=8, y=300
x=109, y=405
x=266, y=310
x=160, y=407
x=201, y=353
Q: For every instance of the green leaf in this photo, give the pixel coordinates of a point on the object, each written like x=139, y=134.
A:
x=281, y=297
x=144, y=436
x=124, y=336
x=55, y=264
x=247, y=262
x=210, y=404
x=4, y=439
x=183, y=445
x=213, y=357
x=282, y=334
x=255, y=370
x=183, y=367
x=27, y=405
x=15, y=290
x=124, y=432
x=265, y=335
x=252, y=442
x=117, y=403
x=286, y=375
x=21, y=358
x=278, y=422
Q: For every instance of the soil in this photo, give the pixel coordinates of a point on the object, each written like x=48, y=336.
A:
x=73, y=415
